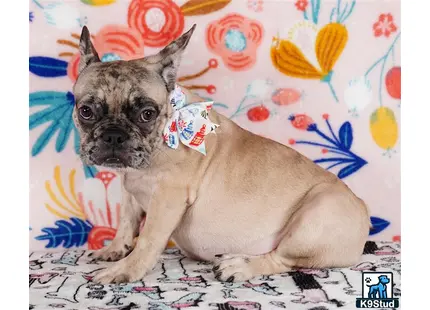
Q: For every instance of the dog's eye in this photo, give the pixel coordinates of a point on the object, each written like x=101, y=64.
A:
x=85, y=112
x=148, y=115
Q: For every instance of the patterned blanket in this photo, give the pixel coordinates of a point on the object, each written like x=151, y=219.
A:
x=63, y=280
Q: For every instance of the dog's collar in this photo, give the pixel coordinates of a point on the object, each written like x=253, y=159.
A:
x=189, y=123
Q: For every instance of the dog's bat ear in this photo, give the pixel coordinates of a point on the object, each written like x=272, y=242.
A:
x=88, y=52
x=167, y=61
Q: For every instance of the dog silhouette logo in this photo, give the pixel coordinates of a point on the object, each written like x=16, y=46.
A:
x=377, y=291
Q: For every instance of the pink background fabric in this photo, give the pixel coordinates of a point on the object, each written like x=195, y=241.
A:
x=235, y=39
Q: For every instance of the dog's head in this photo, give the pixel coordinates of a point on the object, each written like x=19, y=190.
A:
x=122, y=107
x=384, y=279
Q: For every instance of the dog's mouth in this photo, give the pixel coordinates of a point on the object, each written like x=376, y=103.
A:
x=110, y=159
x=116, y=157
x=113, y=162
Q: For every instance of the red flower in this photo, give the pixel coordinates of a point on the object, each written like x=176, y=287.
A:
x=117, y=40
x=235, y=38
x=158, y=21
x=324, y=151
x=301, y=5
x=112, y=42
x=301, y=121
x=292, y=141
x=384, y=26
x=100, y=236
x=258, y=114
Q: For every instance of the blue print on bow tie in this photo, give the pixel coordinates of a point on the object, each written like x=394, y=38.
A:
x=172, y=139
x=188, y=132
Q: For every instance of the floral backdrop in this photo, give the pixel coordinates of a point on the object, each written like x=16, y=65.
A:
x=322, y=76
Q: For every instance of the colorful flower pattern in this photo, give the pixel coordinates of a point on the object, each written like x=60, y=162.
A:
x=338, y=144
x=158, y=21
x=235, y=38
x=112, y=42
x=384, y=26
x=301, y=5
x=289, y=71
x=93, y=211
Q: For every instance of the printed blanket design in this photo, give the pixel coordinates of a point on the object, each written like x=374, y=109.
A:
x=63, y=280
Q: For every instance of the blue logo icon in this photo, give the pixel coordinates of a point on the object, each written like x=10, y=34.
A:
x=377, y=291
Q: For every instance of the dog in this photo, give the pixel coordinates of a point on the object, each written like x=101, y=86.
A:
x=252, y=206
x=380, y=288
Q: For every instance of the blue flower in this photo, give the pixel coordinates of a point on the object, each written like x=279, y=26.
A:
x=73, y=232
x=31, y=17
x=339, y=144
x=58, y=114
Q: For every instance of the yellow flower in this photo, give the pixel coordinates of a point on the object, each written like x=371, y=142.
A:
x=384, y=129
x=65, y=205
x=328, y=45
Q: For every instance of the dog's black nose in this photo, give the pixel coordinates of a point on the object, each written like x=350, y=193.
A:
x=114, y=136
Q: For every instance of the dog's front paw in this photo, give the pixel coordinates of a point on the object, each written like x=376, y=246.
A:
x=232, y=268
x=121, y=272
x=112, y=253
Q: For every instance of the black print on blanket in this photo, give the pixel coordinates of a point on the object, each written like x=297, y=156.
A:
x=186, y=301
x=263, y=288
x=177, y=273
x=69, y=258
x=311, y=290
x=237, y=305
x=35, y=264
x=64, y=281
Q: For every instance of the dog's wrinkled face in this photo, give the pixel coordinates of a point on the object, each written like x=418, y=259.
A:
x=122, y=106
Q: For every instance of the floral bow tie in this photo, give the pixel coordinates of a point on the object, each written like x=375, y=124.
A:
x=189, y=123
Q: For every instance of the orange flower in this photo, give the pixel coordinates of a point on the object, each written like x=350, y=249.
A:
x=384, y=26
x=235, y=38
x=158, y=21
x=115, y=42
x=290, y=58
x=112, y=42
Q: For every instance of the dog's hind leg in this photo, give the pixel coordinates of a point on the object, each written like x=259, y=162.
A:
x=238, y=268
x=328, y=230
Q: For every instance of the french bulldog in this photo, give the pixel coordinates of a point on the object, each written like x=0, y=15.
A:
x=251, y=206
